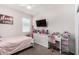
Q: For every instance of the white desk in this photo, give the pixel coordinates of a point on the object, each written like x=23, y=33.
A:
x=59, y=40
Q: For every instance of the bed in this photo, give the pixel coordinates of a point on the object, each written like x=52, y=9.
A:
x=12, y=45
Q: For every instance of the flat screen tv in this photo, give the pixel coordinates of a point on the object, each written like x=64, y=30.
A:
x=41, y=23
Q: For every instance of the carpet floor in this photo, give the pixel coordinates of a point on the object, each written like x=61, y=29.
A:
x=38, y=50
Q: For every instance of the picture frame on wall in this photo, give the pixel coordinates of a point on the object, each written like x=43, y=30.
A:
x=5, y=19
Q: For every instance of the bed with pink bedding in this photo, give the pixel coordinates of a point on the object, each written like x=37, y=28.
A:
x=12, y=45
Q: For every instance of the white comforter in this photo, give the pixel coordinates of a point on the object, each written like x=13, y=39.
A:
x=12, y=45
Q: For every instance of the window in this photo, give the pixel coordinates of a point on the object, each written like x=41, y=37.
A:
x=26, y=25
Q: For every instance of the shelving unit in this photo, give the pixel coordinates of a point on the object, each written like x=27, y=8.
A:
x=65, y=45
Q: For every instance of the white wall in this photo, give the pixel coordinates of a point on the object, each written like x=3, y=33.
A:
x=61, y=19
x=7, y=30
x=64, y=19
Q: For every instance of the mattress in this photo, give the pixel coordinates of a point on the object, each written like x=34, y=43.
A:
x=14, y=44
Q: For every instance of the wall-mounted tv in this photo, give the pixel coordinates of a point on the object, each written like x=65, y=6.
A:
x=41, y=23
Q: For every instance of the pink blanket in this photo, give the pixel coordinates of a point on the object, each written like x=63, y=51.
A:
x=8, y=45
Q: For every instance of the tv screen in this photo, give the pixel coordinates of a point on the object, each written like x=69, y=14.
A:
x=41, y=23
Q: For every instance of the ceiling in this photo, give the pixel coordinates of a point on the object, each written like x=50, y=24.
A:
x=36, y=8
x=41, y=9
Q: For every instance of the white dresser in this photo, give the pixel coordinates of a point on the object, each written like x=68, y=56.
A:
x=41, y=39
